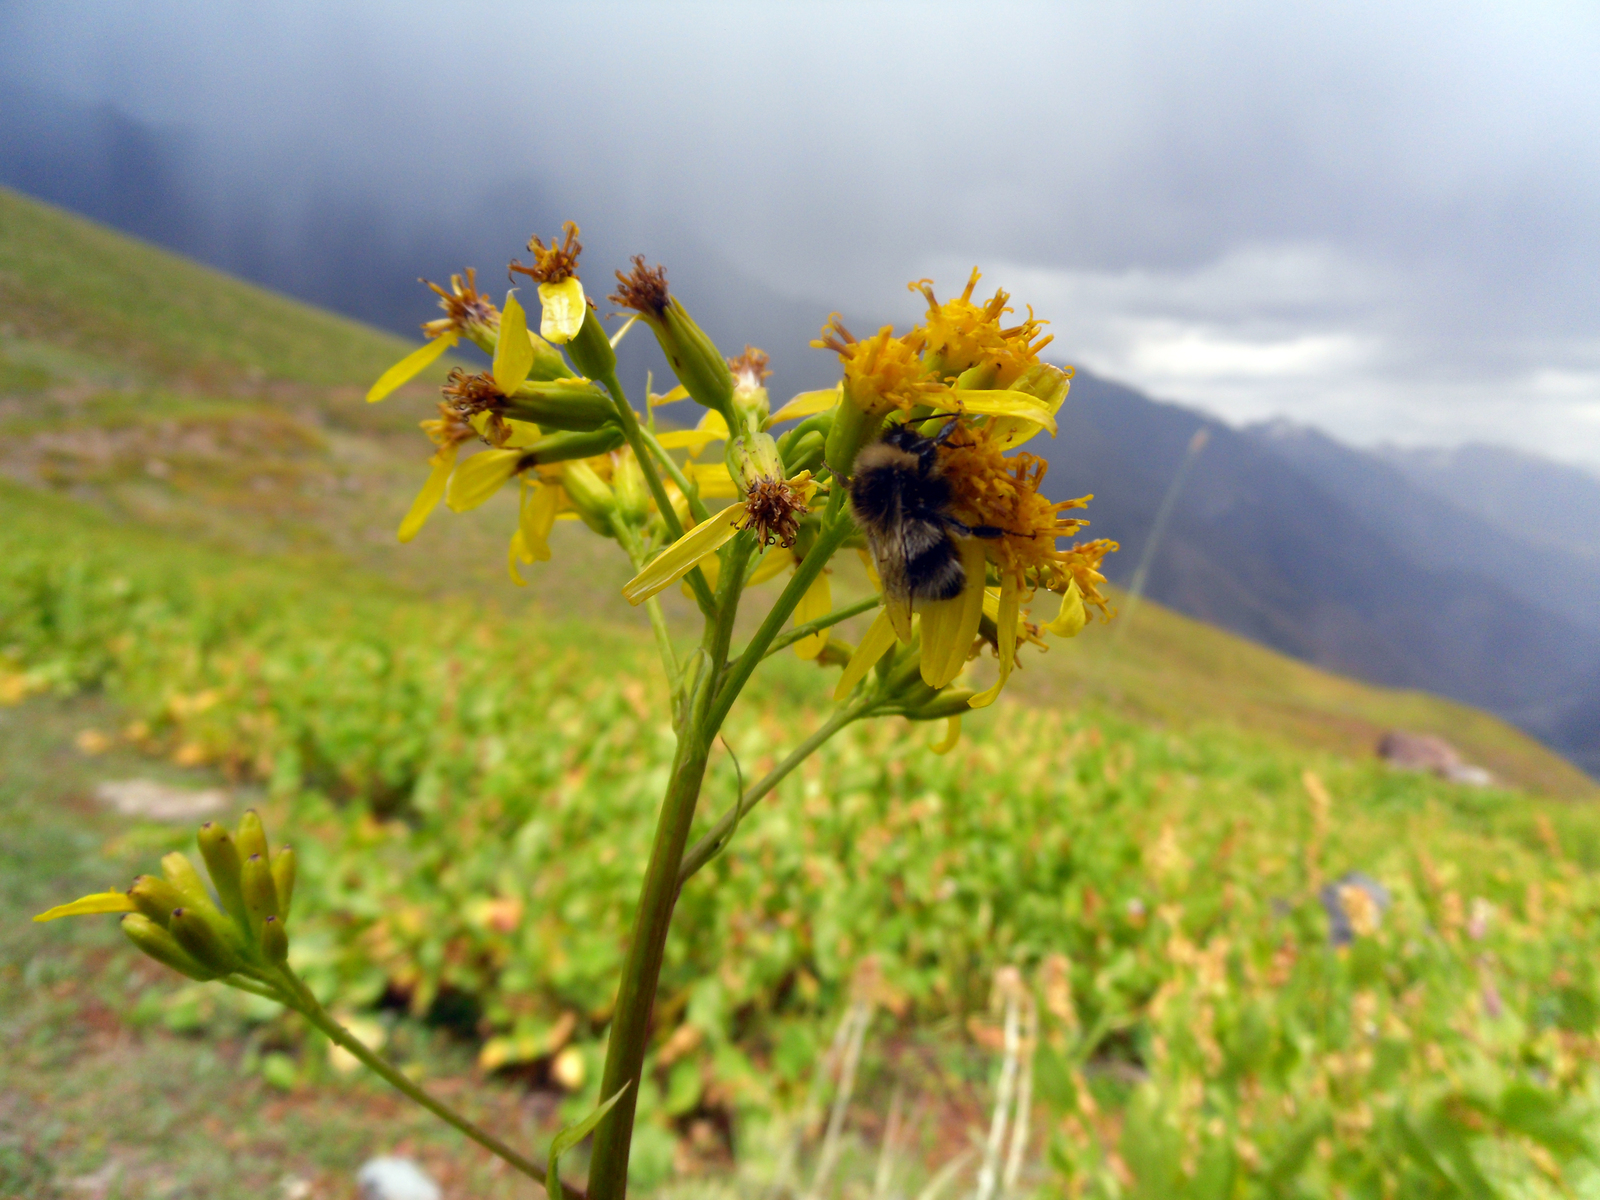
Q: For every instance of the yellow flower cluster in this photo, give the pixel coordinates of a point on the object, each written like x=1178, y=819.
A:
x=966, y=387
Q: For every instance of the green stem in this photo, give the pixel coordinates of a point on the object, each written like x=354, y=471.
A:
x=800, y=632
x=836, y=526
x=641, y=972
x=716, y=840
x=696, y=505
x=630, y=543
x=635, y=436
x=309, y=1007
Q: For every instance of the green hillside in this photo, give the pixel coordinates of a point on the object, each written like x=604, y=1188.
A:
x=172, y=395
x=199, y=584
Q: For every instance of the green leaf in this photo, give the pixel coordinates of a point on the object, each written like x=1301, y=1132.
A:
x=570, y=1137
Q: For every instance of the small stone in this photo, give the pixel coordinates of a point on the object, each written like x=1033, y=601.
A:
x=395, y=1179
x=1343, y=924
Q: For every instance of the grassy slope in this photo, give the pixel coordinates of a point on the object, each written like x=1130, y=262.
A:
x=175, y=396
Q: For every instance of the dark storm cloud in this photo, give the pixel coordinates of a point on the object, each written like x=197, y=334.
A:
x=1380, y=219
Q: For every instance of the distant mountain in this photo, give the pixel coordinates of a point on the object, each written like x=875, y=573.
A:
x=1532, y=498
x=1333, y=556
x=1471, y=573
x=1532, y=524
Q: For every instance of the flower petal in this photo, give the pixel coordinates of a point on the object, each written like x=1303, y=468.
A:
x=880, y=636
x=540, y=504
x=432, y=492
x=1006, y=624
x=98, y=902
x=808, y=404
x=693, y=440
x=678, y=393
x=513, y=349
x=1049, y=385
x=772, y=564
x=948, y=626
x=713, y=479
x=617, y=337
x=1073, y=616
x=564, y=310
x=409, y=367
x=952, y=735
x=817, y=602
x=678, y=559
x=987, y=402
x=481, y=476
x=517, y=550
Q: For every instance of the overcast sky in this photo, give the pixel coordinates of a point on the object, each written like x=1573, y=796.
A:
x=1383, y=220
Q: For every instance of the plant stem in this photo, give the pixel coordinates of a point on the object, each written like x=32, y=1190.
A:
x=697, y=506
x=641, y=972
x=836, y=526
x=629, y=541
x=800, y=632
x=716, y=840
x=309, y=1007
x=635, y=436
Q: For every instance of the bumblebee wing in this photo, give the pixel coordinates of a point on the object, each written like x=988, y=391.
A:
x=889, y=556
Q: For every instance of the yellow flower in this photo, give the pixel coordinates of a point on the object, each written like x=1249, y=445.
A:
x=447, y=431
x=771, y=510
x=694, y=358
x=993, y=492
x=960, y=338
x=555, y=268
x=885, y=374
x=467, y=314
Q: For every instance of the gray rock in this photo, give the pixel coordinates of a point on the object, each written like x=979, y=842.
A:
x=395, y=1179
x=1340, y=931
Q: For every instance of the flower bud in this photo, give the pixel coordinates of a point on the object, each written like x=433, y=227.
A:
x=804, y=453
x=950, y=702
x=852, y=429
x=283, y=873
x=591, y=496
x=181, y=874
x=752, y=457
x=591, y=349
x=252, y=838
x=274, y=940
x=563, y=447
x=222, y=863
x=160, y=945
x=260, y=892
x=195, y=934
x=750, y=399
x=571, y=404
x=627, y=482
x=155, y=898
x=694, y=358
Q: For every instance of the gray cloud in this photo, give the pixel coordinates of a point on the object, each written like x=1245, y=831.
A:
x=1378, y=219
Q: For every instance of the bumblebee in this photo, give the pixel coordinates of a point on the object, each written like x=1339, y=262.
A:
x=901, y=500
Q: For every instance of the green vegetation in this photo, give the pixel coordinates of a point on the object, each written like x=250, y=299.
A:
x=1151, y=858
x=475, y=871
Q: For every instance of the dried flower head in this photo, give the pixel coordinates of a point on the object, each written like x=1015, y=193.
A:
x=643, y=289
x=773, y=508
x=750, y=369
x=556, y=262
x=464, y=306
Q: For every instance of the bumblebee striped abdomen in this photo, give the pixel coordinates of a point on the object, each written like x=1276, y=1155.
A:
x=900, y=501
